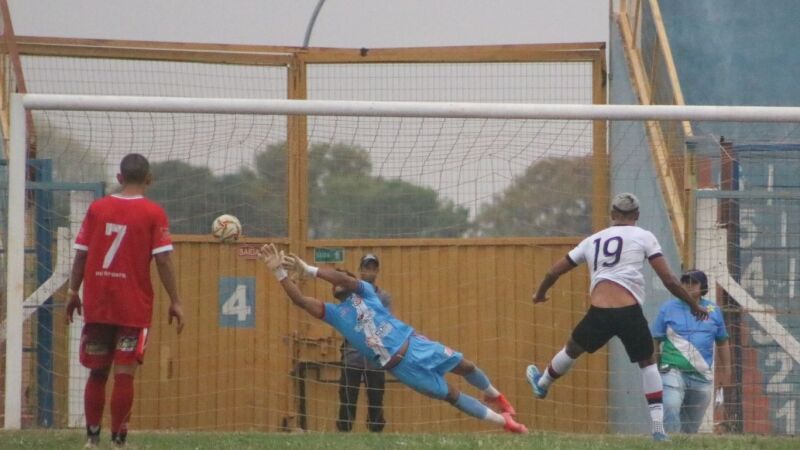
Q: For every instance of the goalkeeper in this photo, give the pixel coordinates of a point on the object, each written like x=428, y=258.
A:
x=392, y=344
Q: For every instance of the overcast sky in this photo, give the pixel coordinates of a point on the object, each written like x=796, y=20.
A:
x=341, y=23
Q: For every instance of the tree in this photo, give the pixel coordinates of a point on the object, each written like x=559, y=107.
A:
x=552, y=198
x=183, y=190
x=346, y=201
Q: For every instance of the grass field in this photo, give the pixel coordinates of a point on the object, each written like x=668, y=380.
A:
x=42, y=440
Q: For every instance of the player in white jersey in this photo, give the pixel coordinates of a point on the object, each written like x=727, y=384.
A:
x=615, y=257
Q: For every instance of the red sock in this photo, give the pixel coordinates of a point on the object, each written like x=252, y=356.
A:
x=94, y=397
x=121, y=402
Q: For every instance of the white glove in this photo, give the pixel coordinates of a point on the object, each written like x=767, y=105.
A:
x=274, y=260
x=293, y=262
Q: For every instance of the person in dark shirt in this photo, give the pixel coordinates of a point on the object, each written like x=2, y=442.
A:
x=357, y=369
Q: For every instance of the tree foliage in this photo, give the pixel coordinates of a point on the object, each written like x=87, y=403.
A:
x=345, y=199
x=552, y=198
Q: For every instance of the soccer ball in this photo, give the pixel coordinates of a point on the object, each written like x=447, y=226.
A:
x=226, y=228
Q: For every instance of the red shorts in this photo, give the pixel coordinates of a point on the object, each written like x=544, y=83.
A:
x=103, y=344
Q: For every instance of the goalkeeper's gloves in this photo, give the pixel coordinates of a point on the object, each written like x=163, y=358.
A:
x=295, y=263
x=274, y=260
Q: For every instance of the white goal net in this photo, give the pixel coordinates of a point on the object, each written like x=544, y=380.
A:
x=465, y=204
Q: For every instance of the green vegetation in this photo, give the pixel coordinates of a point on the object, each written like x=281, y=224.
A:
x=59, y=439
x=550, y=199
x=346, y=200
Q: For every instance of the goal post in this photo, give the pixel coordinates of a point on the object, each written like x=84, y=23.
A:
x=425, y=148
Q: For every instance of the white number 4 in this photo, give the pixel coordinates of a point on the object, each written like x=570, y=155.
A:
x=112, y=251
x=236, y=304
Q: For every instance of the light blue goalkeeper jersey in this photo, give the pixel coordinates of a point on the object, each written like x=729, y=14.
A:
x=687, y=343
x=368, y=325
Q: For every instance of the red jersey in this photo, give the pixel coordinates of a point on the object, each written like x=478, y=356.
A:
x=121, y=235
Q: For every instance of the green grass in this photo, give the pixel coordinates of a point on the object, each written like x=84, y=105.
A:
x=59, y=439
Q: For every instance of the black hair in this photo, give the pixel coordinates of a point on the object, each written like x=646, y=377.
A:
x=134, y=168
x=342, y=294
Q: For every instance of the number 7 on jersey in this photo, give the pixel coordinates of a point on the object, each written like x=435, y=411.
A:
x=112, y=228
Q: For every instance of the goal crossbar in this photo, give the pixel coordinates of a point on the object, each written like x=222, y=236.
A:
x=410, y=109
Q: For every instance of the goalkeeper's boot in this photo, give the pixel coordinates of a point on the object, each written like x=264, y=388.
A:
x=92, y=437
x=119, y=439
x=661, y=437
x=500, y=404
x=533, y=375
x=512, y=425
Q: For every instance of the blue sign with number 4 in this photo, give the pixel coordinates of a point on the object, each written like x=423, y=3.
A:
x=237, y=302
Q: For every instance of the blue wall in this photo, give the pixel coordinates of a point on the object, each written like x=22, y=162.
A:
x=749, y=53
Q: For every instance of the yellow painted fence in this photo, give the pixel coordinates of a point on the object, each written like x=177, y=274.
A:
x=473, y=295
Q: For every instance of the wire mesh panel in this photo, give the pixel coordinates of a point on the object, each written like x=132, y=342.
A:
x=442, y=177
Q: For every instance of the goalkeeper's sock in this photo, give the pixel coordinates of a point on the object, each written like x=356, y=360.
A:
x=653, y=391
x=94, y=399
x=473, y=407
x=559, y=366
x=121, y=401
x=479, y=379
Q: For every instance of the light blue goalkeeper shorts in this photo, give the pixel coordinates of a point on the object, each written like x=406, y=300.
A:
x=424, y=365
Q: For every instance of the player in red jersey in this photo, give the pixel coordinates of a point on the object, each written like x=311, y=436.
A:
x=119, y=236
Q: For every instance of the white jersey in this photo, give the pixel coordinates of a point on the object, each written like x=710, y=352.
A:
x=617, y=254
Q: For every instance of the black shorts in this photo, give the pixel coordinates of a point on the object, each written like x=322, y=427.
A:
x=599, y=325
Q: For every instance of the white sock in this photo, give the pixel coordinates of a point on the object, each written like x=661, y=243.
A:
x=491, y=392
x=657, y=417
x=653, y=391
x=560, y=365
x=494, y=417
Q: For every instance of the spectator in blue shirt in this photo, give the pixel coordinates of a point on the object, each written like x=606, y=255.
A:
x=685, y=347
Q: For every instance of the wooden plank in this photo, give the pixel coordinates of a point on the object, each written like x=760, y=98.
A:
x=661, y=159
x=167, y=379
x=224, y=355
x=297, y=161
x=145, y=410
x=126, y=44
x=469, y=315
x=547, y=342
x=209, y=239
x=525, y=326
x=207, y=323
x=487, y=326
x=466, y=55
x=451, y=321
x=244, y=374
x=563, y=390
x=146, y=54
x=432, y=305
x=409, y=53
x=188, y=258
x=573, y=310
x=508, y=367
x=261, y=350
x=600, y=164
x=450, y=242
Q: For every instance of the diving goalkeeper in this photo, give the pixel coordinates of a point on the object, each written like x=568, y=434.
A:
x=393, y=345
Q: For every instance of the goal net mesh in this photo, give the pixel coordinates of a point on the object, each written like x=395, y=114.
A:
x=513, y=196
